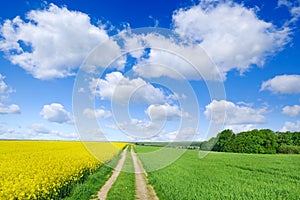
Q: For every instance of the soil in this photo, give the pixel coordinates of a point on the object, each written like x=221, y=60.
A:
x=143, y=190
x=102, y=194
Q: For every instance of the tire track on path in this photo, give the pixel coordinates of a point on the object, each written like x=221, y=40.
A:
x=143, y=190
x=102, y=194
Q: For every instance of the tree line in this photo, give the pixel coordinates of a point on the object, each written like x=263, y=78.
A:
x=263, y=141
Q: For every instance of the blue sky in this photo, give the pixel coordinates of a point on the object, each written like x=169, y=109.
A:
x=204, y=67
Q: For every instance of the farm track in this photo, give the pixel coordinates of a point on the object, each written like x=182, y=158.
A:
x=143, y=191
x=102, y=194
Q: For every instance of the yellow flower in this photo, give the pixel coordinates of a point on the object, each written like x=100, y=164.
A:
x=36, y=169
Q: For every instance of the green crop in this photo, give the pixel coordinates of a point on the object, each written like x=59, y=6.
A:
x=225, y=176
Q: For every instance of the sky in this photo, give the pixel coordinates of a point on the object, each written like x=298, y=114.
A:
x=148, y=70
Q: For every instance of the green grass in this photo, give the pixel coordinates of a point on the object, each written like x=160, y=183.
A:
x=224, y=175
x=93, y=183
x=124, y=187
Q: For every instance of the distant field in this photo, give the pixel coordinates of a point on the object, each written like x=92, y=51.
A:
x=224, y=176
x=47, y=170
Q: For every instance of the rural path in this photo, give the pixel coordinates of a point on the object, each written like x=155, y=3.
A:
x=102, y=194
x=143, y=190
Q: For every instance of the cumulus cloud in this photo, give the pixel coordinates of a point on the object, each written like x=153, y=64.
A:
x=50, y=43
x=3, y=85
x=165, y=112
x=163, y=63
x=171, y=58
x=291, y=111
x=11, y=109
x=56, y=112
x=40, y=131
x=137, y=128
x=237, y=128
x=98, y=113
x=184, y=134
x=121, y=89
x=283, y=84
x=232, y=34
x=229, y=113
x=36, y=131
x=5, y=90
x=39, y=128
x=290, y=126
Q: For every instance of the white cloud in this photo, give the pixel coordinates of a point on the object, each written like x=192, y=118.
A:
x=11, y=109
x=138, y=128
x=296, y=12
x=171, y=58
x=103, y=55
x=121, y=89
x=232, y=34
x=165, y=112
x=50, y=43
x=39, y=128
x=184, y=134
x=284, y=3
x=40, y=131
x=290, y=126
x=284, y=84
x=36, y=131
x=163, y=63
x=55, y=112
x=294, y=8
x=291, y=111
x=134, y=45
x=98, y=113
x=237, y=128
x=94, y=134
x=3, y=85
x=229, y=113
x=5, y=90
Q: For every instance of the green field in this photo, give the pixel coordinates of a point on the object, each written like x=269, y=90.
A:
x=224, y=175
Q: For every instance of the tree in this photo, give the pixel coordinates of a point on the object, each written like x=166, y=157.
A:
x=296, y=138
x=255, y=141
x=270, y=141
x=285, y=138
x=208, y=145
x=224, y=143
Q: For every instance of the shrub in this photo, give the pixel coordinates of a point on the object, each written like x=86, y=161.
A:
x=289, y=149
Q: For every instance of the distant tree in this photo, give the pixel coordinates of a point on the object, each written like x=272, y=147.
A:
x=289, y=149
x=288, y=142
x=255, y=141
x=296, y=138
x=225, y=140
x=285, y=138
x=270, y=141
x=243, y=143
x=208, y=145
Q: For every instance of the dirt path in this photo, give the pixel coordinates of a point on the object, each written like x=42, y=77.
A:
x=102, y=194
x=143, y=190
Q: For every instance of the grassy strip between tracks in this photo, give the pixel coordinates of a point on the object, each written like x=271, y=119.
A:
x=124, y=187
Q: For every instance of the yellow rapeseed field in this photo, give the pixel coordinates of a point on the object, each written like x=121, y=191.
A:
x=45, y=169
